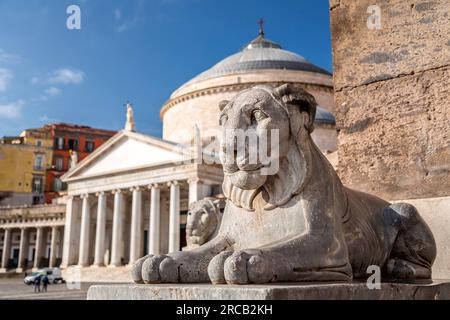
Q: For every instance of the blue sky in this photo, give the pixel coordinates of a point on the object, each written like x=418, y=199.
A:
x=137, y=50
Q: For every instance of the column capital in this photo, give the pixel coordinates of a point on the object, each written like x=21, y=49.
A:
x=154, y=186
x=193, y=180
x=85, y=196
x=138, y=188
x=173, y=183
x=118, y=191
x=100, y=193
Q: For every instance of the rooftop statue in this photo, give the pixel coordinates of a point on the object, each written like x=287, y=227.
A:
x=130, y=125
x=73, y=158
x=299, y=223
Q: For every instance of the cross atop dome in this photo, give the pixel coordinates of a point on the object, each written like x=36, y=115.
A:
x=261, y=27
x=260, y=41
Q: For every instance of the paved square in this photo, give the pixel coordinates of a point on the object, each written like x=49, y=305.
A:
x=15, y=289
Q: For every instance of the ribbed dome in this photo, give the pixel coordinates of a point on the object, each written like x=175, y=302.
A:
x=260, y=62
x=323, y=116
x=260, y=54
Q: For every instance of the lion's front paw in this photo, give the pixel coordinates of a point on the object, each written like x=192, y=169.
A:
x=159, y=268
x=136, y=270
x=243, y=267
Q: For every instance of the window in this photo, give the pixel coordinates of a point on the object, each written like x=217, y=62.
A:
x=59, y=163
x=90, y=146
x=36, y=200
x=39, y=162
x=39, y=143
x=58, y=185
x=37, y=184
x=73, y=144
x=59, y=143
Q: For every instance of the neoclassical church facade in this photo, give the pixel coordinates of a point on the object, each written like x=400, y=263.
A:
x=130, y=196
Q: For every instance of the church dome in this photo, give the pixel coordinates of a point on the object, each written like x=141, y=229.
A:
x=260, y=62
x=324, y=117
x=260, y=54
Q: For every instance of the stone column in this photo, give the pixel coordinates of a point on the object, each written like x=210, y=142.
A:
x=117, y=232
x=83, y=259
x=71, y=235
x=38, y=252
x=198, y=190
x=24, y=248
x=136, y=225
x=174, y=217
x=100, y=231
x=52, y=260
x=155, y=218
x=6, y=249
x=60, y=242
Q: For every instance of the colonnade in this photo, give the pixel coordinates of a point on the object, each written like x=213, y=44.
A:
x=78, y=237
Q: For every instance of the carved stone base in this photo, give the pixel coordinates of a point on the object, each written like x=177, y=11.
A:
x=438, y=290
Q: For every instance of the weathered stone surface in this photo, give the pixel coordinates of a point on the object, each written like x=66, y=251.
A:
x=413, y=38
x=332, y=291
x=391, y=94
x=394, y=137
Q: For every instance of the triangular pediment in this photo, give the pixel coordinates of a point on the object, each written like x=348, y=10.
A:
x=126, y=151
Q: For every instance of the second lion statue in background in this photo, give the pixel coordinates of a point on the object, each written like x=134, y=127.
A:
x=300, y=223
x=203, y=221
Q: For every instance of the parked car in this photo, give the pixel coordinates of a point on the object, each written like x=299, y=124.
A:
x=53, y=275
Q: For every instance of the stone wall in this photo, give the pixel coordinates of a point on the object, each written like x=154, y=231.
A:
x=392, y=90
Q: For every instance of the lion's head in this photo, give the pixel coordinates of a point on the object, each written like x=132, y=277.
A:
x=288, y=110
x=203, y=220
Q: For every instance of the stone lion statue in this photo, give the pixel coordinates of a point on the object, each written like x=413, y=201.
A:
x=203, y=221
x=299, y=224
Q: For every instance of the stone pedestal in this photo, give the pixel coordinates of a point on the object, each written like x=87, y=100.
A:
x=438, y=290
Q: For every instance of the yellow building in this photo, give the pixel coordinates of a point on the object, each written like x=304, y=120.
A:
x=23, y=164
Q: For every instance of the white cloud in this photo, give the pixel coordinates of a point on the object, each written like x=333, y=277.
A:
x=53, y=91
x=46, y=119
x=133, y=20
x=117, y=14
x=11, y=110
x=66, y=76
x=8, y=57
x=61, y=76
x=5, y=77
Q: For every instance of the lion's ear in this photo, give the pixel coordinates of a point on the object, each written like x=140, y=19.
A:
x=298, y=97
x=223, y=104
x=220, y=203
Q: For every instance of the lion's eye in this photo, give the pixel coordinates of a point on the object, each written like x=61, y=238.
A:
x=223, y=119
x=257, y=115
